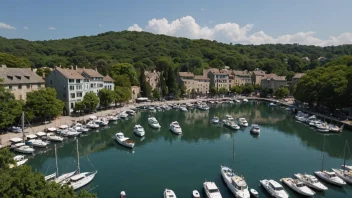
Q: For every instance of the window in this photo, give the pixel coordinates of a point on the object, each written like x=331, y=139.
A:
x=72, y=87
x=10, y=87
x=39, y=85
x=73, y=95
x=19, y=86
x=79, y=94
x=78, y=81
x=100, y=85
x=91, y=85
x=71, y=80
x=72, y=105
x=28, y=86
x=79, y=87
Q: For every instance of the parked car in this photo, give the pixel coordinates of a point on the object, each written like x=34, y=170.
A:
x=15, y=129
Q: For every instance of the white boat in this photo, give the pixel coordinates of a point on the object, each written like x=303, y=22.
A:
x=215, y=120
x=237, y=101
x=272, y=104
x=230, y=102
x=21, y=147
x=242, y=122
x=231, y=124
x=322, y=127
x=344, y=174
x=112, y=118
x=37, y=143
x=92, y=125
x=211, y=190
x=255, y=129
x=189, y=105
x=168, y=193
x=124, y=141
x=245, y=100
x=153, y=122
x=184, y=109
x=130, y=112
x=51, y=129
x=315, y=122
x=122, y=194
x=102, y=122
x=298, y=186
x=24, y=149
x=41, y=135
x=151, y=109
x=80, y=128
x=195, y=194
x=311, y=181
x=334, y=128
x=175, y=127
x=54, y=138
x=123, y=115
x=235, y=183
x=273, y=188
x=228, y=117
x=254, y=193
x=70, y=132
x=19, y=160
x=203, y=107
x=309, y=119
x=139, y=130
x=346, y=167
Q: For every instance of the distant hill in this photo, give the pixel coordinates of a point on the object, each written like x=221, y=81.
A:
x=144, y=49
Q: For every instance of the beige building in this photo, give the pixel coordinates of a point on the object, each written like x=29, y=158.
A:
x=219, y=79
x=198, y=83
x=273, y=81
x=242, y=78
x=202, y=84
x=257, y=77
x=135, y=90
x=296, y=78
x=187, y=78
x=152, y=78
x=20, y=81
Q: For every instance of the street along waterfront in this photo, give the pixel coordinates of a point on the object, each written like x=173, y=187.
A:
x=182, y=163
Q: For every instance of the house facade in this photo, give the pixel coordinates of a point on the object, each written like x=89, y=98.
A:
x=242, y=78
x=274, y=82
x=219, y=79
x=257, y=77
x=296, y=78
x=20, y=81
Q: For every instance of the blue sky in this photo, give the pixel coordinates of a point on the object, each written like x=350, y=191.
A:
x=317, y=22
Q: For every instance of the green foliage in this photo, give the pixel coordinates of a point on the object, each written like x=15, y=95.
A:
x=123, y=94
x=156, y=94
x=171, y=81
x=79, y=106
x=10, y=109
x=344, y=60
x=122, y=81
x=6, y=158
x=91, y=101
x=43, y=104
x=222, y=90
x=216, y=63
x=145, y=87
x=106, y=97
x=213, y=91
x=13, y=61
x=282, y=92
x=124, y=69
x=237, y=89
x=247, y=89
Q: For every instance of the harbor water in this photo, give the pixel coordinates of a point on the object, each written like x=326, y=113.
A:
x=182, y=163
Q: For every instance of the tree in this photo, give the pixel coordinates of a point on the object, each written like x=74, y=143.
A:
x=213, y=91
x=145, y=91
x=79, y=106
x=6, y=158
x=124, y=69
x=171, y=81
x=106, y=97
x=10, y=109
x=216, y=63
x=91, y=101
x=247, y=89
x=123, y=94
x=222, y=90
x=236, y=89
x=156, y=94
x=13, y=61
x=282, y=92
x=122, y=80
x=43, y=104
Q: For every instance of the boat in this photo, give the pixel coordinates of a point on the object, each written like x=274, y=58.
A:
x=344, y=174
x=139, y=130
x=298, y=186
x=124, y=141
x=168, y=193
x=51, y=129
x=175, y=127
x=311, y=181
x=254, y=193
x=54, y=138
x=80, y=128
x=273, y=188
x=228, y=117
x=158, y=108
x=189, y=105
x=245, y=100
x=237, y=101
x=300, y=116
x=22, y=147
x=272, y=104
x=211, y=190
x=215, y=120
x=123, y=115
x=255, y=129
x=19, y=160
x=195, y=194
x=31, y=140
x=242, y=122
x=151, y=109
x=231, y=124
x=329, y=177
x=346, y=167
x=235, y=183
x=122, y=194
x=92, y=125
x=41, y=135
x=153, y=122
x=102, y=122
x=112, y=118
x=309, y=119
x=15, y=129
x=130, y=112
x=184, y=109
x=203, y=106
x=334, y=128
x=79, y=180
x=322, y=127
x=231, y=102
x=70, y=132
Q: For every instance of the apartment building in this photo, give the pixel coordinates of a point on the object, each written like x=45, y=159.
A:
x=241, y=78
x=219, y=79
x=273, y=81
x=257, y=76
x=187, y=78
x=202, y=84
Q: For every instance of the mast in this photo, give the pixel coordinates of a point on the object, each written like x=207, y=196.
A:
x=233, y=152
x=322, y=162
x=344, y=157
x=23, y=137
x=77, y=157
x=57, y=168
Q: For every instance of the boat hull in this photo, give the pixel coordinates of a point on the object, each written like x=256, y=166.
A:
x=309, y=184
x=309, y=194
x=323, y=177
x=340, y=173
x=83, y=182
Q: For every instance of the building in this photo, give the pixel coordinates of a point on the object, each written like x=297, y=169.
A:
x=296, y=78
x=241, y=78
x=273, y=81
x=135, y=91
x=152, y=78
x=219, y=79
x=257, y=76
x=202, y=84
x=187, y=78
x=72, y=84
x=20, y=81
x=198, y=83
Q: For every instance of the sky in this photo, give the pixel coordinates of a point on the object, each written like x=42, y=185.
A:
x=308, y=22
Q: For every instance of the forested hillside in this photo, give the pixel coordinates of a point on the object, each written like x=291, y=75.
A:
x=144, y=49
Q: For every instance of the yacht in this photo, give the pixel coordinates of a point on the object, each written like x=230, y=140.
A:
x=346, y=167
x=298, y=186
x=334, y=128
x=195, y=194
x=215, y=120
x=51, y=129
x=242, y=122
x=168, y=193
x=231, y=124
x=124, y=141
x=102, y=122
x=245, y=100
x=309, y=119
x=123, y=115
x=31, y=140
x=272, y=104
x=315, y=122
x=80, y=128
x=189, y=105
x=22, y=148
x=151, y=109
x=273, y=188
x=211, y=190
x=41, y=135
x=19, y=160
x=70, y=132
x=300, y=116
x=255, y=129
x=228, y=117
x=158, y=108
x=122, y=194
x=153, y=122
x=184, y=109
x=344, y=174
x=54, y=138
x=139, y=130
x=175, y=127
x=19, y=144
x=330, y=177
x=203, y=106
x=322, y=127
x=231, y=102
x=112, y=118
x=311, y=181
x=92, y=125
x=130, y=112
x=237, y=101
x=235, y=183
x=254, y=193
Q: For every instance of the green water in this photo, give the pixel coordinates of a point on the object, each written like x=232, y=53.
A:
x=163, y=160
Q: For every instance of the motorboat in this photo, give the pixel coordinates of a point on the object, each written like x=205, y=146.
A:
x=130, y=112
x=122, y=194
x=255, y=129
x=16, y=142
x=41, y=135
x=203, y=107
x=189, y=105
x=315, y=122
x=254, y=193
x=346, y=167
x=184, y=109
x=228, y=117
x=242, y=122
x=322, y=127
x=153, y=122
x=231, y=102
x=19, y=160
x=158, y=108
x=92, y=125
x=309, y=119
x=54, y=138
x=231, y=124
x=272, y=104
x=215, y=120
x=235, y=183
x=151, y=109
x=31, y=140
x=51, y=129
x=24, y=149
x=80, y=128
x=330, y=177
x=298, y=186
x=300, y=116
x=112, y=118
x=70, y=132
x=245, y=100
x=344, y=175
x=211, y=190
x=311, y=181
x=139, y=130
x=273, y=188
x=102, y=122
x=124, y=141
x=168, y=193
x=123, y=115
x=334, y=128
x=195, y=194
x=175, y=127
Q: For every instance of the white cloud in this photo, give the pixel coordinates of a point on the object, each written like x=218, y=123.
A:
x=6, y=26
x=25, y=27
x=51, y=28
x=232, y=32
x=100, y=25
x=135, y=27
